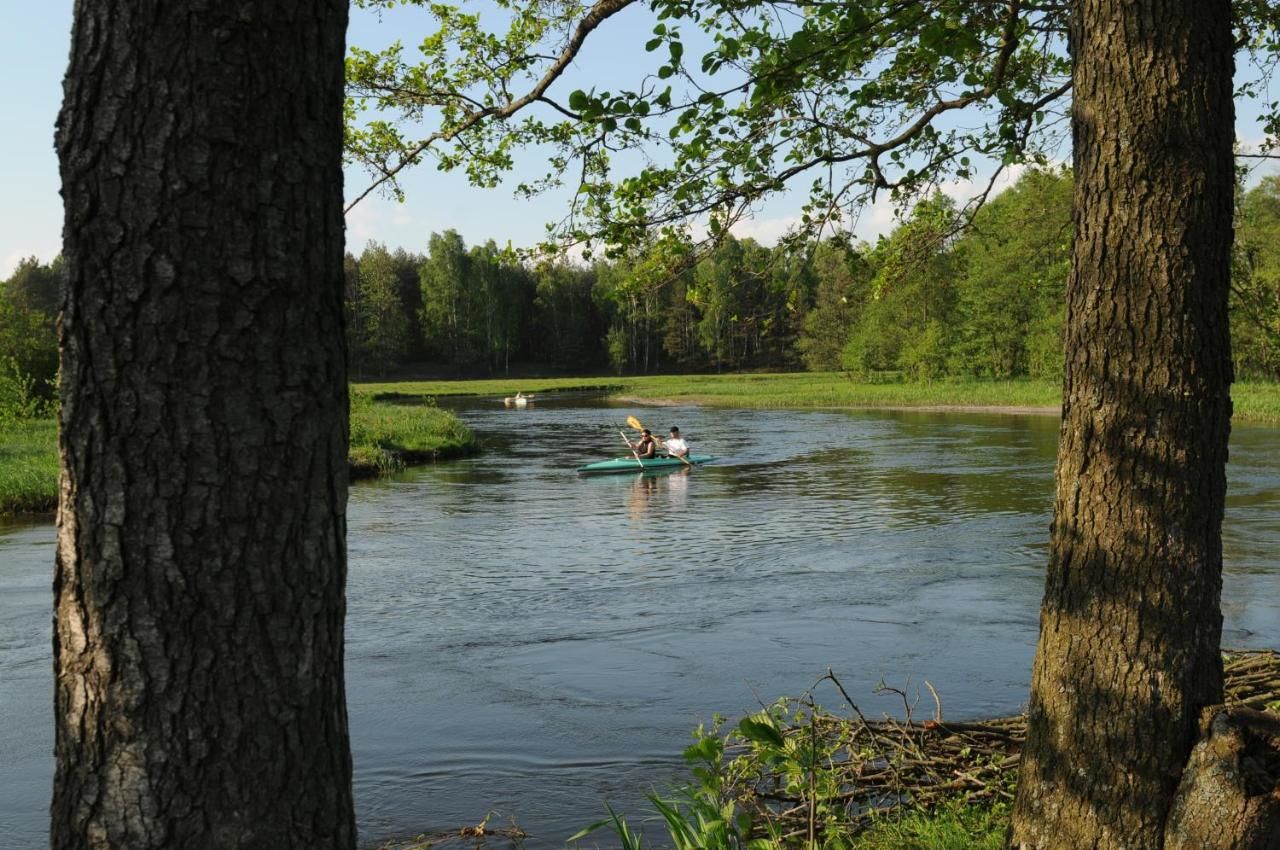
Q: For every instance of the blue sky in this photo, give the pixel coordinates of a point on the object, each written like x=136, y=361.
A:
x=34, y=46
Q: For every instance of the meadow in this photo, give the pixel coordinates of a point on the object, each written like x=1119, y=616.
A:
x=1255, y=401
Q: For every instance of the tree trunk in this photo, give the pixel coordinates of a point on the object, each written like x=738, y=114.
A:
x=1130, y=624
x=1229, y=795
x=201, y=535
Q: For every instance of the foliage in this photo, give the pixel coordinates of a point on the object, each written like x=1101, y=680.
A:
x=904, y=323
x=378, y=327
x=794, y=775
x=1015, y=262
x=927, y=302
x=841, y=289
x=1255, y=285
x=757, y=109
x=714, y=810
x=18, y=399
x=36, y=286
x=28, y=343
x=738, y=100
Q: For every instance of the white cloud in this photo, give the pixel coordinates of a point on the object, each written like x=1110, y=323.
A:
x=766, y=231
x=964, y=191
x=381, y=220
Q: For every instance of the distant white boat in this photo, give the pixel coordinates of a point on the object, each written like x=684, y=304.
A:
x=517, y=400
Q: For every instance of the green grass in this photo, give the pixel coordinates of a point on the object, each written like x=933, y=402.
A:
x=492, y=386
x=1254, y=401
x=384, y=438
x=952, y=827
x=28, y=466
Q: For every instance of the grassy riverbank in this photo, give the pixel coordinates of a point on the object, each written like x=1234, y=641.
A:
x=1254, y=401
x=384, y=438
x=29, y=466
x=388, y=437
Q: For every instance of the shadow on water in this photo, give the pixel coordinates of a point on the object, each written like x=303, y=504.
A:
x=529, y=641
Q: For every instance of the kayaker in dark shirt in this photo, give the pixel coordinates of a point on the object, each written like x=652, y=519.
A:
x=646, y=448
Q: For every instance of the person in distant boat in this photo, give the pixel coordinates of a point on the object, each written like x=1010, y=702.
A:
x=676, y=446
x=647, y=447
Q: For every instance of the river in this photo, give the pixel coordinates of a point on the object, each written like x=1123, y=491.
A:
x=529, y=642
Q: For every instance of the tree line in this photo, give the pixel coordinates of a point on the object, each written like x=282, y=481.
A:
x=925, y=302
x=928, y=301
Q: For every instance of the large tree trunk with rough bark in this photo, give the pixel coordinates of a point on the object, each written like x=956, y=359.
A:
x=1130, y=624
x=201, y=534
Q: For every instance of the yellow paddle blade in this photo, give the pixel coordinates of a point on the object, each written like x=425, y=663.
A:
x=635, y=423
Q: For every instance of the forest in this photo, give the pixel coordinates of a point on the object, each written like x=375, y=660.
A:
x=926, y=302
x=933, y=299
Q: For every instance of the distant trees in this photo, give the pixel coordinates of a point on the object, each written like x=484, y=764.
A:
x=29, y=303
x=1255, y=282
x=924, y=302
x=841, y=288
x=929, y=301
x=1014, y=265
x=378, y=325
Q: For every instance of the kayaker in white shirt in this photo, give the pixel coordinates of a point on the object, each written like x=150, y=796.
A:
x=675, y=444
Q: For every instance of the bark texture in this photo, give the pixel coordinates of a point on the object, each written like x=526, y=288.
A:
x=201, y=535
x=1130, y=623
x=1229, y=795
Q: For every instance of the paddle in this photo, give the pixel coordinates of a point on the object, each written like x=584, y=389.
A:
x=634, y=454
x=635, y=423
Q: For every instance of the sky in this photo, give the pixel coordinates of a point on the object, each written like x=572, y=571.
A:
x=33, y=56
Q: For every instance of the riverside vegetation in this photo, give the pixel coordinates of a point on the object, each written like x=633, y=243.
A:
x=796, y=775
x=384, y=438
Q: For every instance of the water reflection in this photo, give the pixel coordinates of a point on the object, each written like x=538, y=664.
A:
x=527, y=640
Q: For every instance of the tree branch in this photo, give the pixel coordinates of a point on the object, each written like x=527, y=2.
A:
x=600, y=12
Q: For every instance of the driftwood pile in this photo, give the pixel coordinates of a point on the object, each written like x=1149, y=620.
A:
x=867, y=768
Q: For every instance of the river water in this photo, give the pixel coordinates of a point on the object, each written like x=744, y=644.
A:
x=531, y=643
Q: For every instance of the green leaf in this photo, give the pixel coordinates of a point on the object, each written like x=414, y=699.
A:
x=760, y=732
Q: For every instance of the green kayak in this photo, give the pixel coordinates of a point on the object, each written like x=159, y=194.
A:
x=630, y=464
